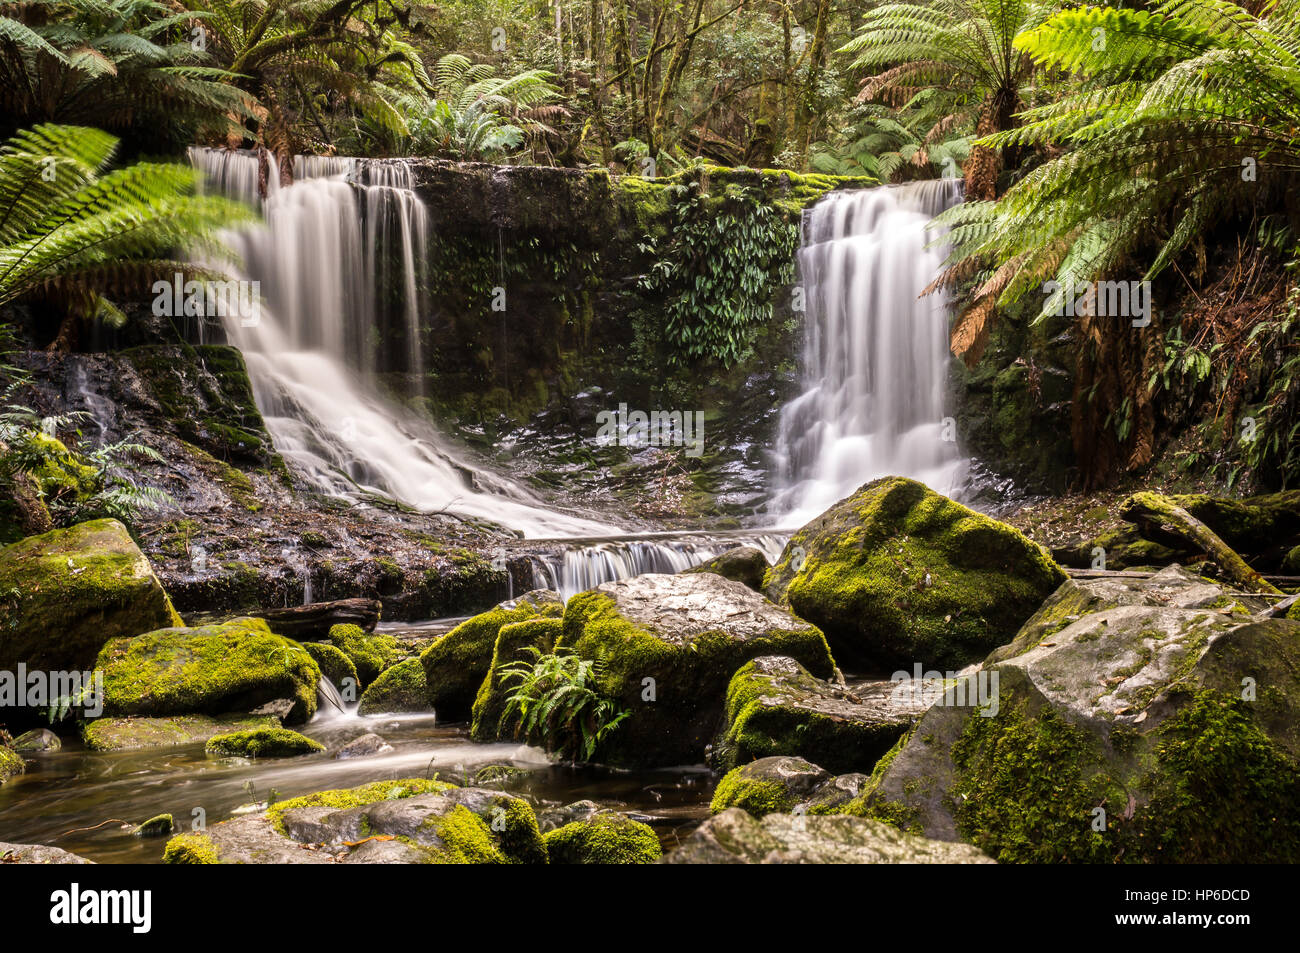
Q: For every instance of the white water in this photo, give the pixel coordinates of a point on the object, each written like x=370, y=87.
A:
x=318, y=255
x=875, y=354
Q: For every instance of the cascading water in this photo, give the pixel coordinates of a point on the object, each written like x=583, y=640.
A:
x=875, y=352
x=325, y=257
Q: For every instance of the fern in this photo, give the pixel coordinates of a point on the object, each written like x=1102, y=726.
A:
x=556, y=704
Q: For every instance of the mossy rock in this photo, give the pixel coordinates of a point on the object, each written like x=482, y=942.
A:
x=161, y=825
x=232, y=666
x=456, y=665
x=768, y=785
x=370, y=654
x=898, y=574
x=400, y=688
x=262, y=743
x=334, y=664
x=125, y=734
x=66, y=593
x=512, y=640
x=11, y=763
x=414, y=820
x=744, y=564
x=737, y=837
x=605, y=838
x=1125, y=548
x=1137, y=733
x=668, y=647
x=776, y=707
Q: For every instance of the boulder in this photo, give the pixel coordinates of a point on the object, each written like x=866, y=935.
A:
x=124, y=734
x=333, y=664
x=69, y=591
x=312, y=622
x=386, y=822
x=363, y=747
x=370, y=654
x=160, y=826
x=744, y=564
x=776, y=707
x=736, y=837
x=37, y=854
x=603, y=838
x=897, y=575
x=37, y=740
x=400, y=688
x=769, y=785
x=262, y=743
x=456, y=665
x=668, y=646
x=232, y=666
x=1161, y=724
x=512, y=645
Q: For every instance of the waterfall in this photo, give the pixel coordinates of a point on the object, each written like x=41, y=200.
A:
x=875, y=354
x=340, y=257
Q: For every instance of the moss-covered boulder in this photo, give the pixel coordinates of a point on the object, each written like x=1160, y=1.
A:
x=604, y=838
x=737, y=837
x=777, y=707
x=11, y=763
x=65, y=593
x=37, y=741
x=232, y=666
x=767, y=785
x=513, y=641
x=125, y=734
x=898, y=574
x=387, y=822
x=456, y=665
x=744, y=564
x=160, y=825
x=262, y=743
x=668, y=646
x=334, y=665
x=1142, y=733
x=370, y=654
x=400, y=688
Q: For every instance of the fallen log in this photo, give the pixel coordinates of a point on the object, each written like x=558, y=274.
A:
x=312, y=622
x=1158, y=515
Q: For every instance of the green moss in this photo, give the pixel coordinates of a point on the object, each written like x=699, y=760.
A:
x=234, y=666
x=898, y=574
x=400, y=688
x=604, y=839
x=370, y=654
x=343, y=798
x=869, y=803
x=11, y=763
x=121, y=734
x=190, y=849
x=512, y=639
x=757, y=796
x=159, y=826
x=465, y=838
x=333, y=663
x=262, y=743
x=456, y=665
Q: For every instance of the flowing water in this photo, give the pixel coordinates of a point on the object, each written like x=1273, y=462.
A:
x=875, y=352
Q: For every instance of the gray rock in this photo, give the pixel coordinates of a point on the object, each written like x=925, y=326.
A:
x=744, y=564
x=37, y=740
x=37, y=854
x=769, y=784
x=366, y=745
x=734, y=837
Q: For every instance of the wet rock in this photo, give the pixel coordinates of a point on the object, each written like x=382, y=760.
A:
x=549, y=818
x=333, y=664
x=400, y=688
x=669, y=645
x=512, y=645
x=232, y=666
x=405, y=821
x=262, y=743
x=160, y=826
x=37, y=740
x=1162, y=726
x=456, y=664
x=366, y=745
x=897, y=574
x=744, y=564
x=70, y=591
x=603, y=838
x=370, y=654
x=123, y=734
x=736, y=837
x=769, y=784
x=312, y=622
x=37, y=854
x=775, y=706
